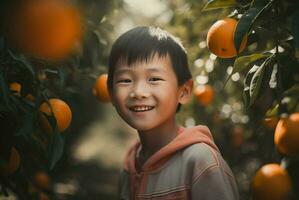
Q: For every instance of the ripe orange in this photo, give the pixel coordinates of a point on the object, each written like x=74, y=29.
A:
x=16, y=88
x=271, y=182
x=100, y=89
x=42, y=180
x=46, y=28
x=286, y=136
x=204, y=94
x=220, y=38
x=270, y=122
x=13, y=163
x=62, y=114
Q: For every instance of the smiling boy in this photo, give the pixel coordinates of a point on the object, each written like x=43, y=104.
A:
x=148, y=81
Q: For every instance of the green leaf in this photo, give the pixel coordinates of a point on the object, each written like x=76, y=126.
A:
x=26, y=125
x=216, y=4
x=51, y=119
x=291, y=98
x=272, y=112
x=273, y=80
x=247, y=80
x=55, y=149
x=259, y=3
x=246, y=22
x=22, y=59
x=20, y=104
x=242, y=63
x=62, y=77
x=256, y=81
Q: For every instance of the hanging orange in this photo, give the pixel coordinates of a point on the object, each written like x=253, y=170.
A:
x=220, y=38
x=15, y=88
x=42, y=179
x=286, y=136
x=204, y=94
x=100, y=89
x=61, y=111
x=13, y=163
x=271, y=182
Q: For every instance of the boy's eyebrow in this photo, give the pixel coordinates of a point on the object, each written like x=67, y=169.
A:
x=121, y=71
x=154, y=69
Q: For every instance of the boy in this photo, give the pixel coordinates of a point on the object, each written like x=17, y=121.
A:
x=148, y=80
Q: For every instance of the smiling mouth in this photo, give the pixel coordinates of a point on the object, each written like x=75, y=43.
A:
x=141, y=108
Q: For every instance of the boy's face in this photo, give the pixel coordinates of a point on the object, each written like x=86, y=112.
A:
x=146, y=94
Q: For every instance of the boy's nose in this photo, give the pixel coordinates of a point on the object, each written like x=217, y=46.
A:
x=139, y=91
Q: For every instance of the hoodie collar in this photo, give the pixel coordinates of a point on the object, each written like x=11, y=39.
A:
x=185, y=137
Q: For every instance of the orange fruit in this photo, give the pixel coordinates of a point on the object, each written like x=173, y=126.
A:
x=270, y=122
x=286, y=136
x=100, y=89
x=13, y=163
x=271, y=182
x=61, y=111
x=29, y=97
x=220, y=38
x=42, y=180
x=204, y=94
x=16, y=88
x=47, y=29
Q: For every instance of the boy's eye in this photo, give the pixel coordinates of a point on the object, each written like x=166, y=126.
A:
x=124, y=81
x=155, y=79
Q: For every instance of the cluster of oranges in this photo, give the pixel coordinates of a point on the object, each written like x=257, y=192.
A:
x=286, y=139
x=271, y=181
x=53, y=107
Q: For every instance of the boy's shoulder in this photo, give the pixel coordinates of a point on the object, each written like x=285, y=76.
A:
x=201, y=157
x=200, y=154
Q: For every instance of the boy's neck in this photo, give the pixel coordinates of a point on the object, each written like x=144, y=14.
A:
x=153, y=140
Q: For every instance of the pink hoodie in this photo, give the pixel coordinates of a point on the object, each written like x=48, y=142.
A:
x=186, y=168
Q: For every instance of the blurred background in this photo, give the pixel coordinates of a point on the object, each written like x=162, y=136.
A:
x=62, y=139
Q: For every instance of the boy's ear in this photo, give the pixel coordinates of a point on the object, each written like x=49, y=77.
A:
x=186, y=92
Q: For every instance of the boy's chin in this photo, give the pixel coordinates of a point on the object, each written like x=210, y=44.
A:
x=141, y=128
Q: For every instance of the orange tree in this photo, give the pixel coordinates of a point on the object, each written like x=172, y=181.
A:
x=49, y=51
x=247, y=50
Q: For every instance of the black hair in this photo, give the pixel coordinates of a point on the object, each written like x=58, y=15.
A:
x=142, y=44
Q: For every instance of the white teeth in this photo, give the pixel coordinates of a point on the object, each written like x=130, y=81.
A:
x=142, y=108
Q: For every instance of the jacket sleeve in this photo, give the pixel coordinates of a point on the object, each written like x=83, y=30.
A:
x=214, y=183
